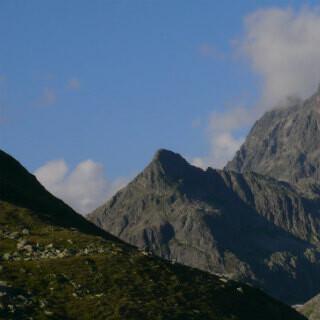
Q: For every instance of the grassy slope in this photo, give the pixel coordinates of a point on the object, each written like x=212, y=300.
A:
x=113, y=281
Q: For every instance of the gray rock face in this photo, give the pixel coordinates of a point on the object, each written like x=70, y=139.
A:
x=246, y=226
x=284, y=143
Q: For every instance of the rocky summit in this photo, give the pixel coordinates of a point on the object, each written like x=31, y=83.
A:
x=247, y=226
x=284, y=143
x=54, y=264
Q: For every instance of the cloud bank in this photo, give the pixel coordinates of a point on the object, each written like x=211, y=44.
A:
x=283, y=48
x=84, y=188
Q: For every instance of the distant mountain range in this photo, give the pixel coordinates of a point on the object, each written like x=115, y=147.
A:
x=256, y=221
x=56, y=265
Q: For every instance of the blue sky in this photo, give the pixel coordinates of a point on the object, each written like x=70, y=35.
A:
x=113, y=81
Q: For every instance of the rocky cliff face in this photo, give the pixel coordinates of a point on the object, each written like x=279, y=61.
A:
x=247, y=226
x=284, y=143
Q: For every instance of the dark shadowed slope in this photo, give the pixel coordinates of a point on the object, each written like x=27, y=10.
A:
x=248, y=227
x=20, y=187
x=54, y=265
x=284, y=143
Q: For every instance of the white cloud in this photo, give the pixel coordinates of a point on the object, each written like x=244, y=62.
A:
x=223, y=139
x=84, y=188
x=199, y=162
x=283, y=46
x=223, y=148
x=52, y=172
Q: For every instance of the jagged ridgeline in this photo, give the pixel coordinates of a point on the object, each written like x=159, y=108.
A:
x=246, y=226
x=284, y=143
x=56, y=265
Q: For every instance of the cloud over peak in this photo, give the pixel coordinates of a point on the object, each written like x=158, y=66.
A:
x=223, y=140
x=283, y=46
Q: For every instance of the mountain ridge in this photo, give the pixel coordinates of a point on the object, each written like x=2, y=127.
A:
x=284, y=143
x=214, y=220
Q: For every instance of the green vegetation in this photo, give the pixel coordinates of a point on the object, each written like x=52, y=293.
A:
x=97, y=278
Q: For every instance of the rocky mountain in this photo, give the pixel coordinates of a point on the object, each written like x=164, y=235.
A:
x=284, y=143
x=56, y=265
x=246, y=226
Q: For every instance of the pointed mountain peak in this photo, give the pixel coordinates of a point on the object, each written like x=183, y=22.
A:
x=165, y=156
x=169, y=164
x=290, y=148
